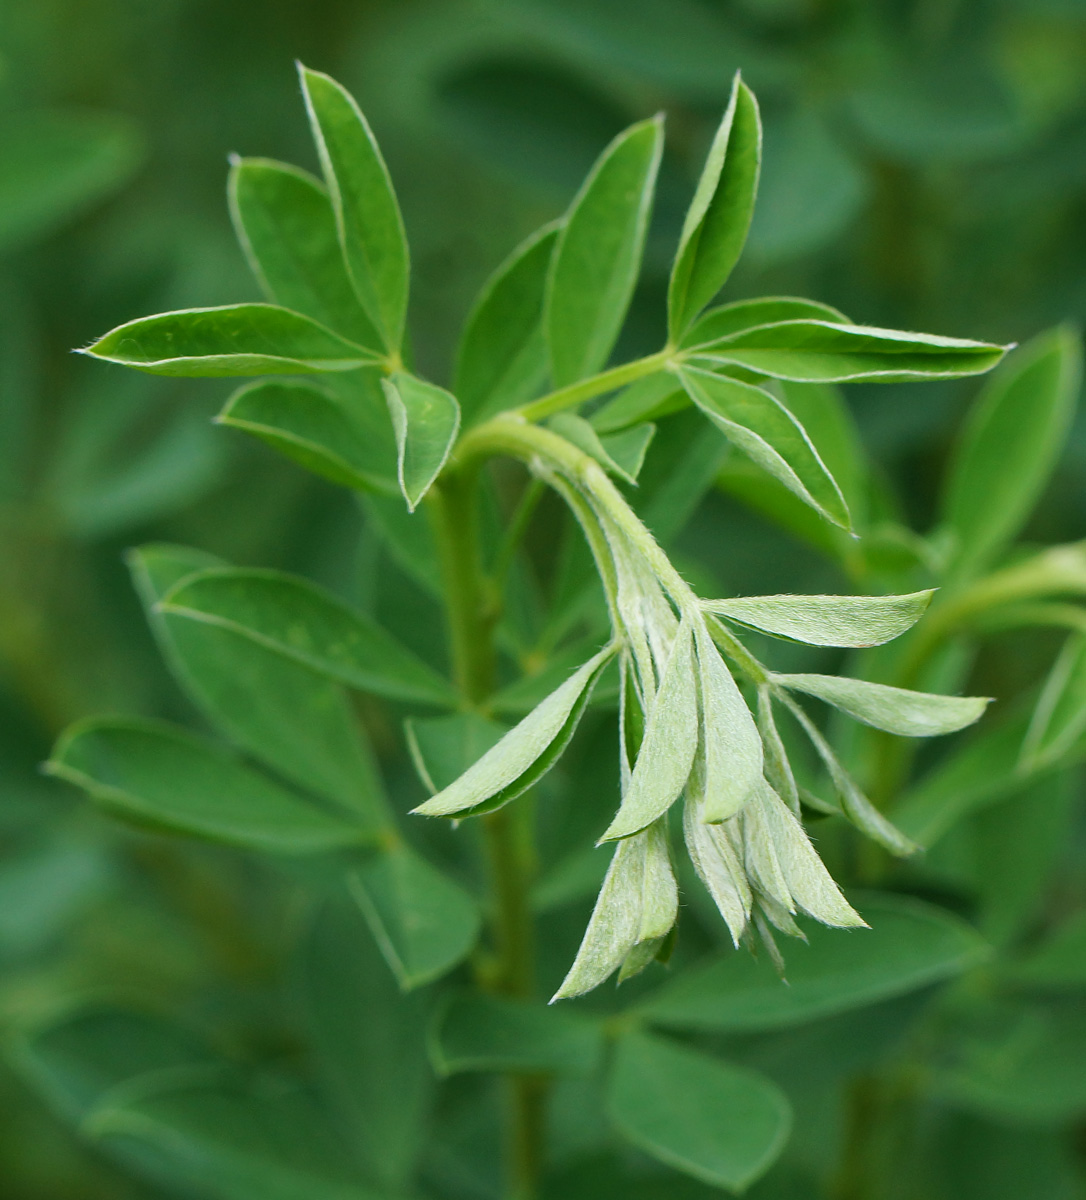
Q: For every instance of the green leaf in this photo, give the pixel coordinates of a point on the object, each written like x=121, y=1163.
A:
x=598, y=255
x=326, y=434
x=649, y=398
x=910, y=945
x=285, y=223
x=426, y=420
x=897, y=710
x=1011, y=440
x=371, y=231
x=719, y=216
x=476, y=1032
x=853, y=621
x=627, y=449
x=631, y=444
x=502, y=359
x=1060, y=960
x=721, y=1124
x=442, y=748
x=771, y=436
x=237, y=339
x=1059, y=720
x=526, y=752
x=727, y=319
x=285, y=714
x=671, y=740
x=310, y=625
x=811, y=351
x=158, y=775
x=423, y=922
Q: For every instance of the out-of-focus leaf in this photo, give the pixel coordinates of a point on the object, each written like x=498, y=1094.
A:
x=476, y=1032
x=44, y=889
x=237, y=339
x=648, y=398
x=502, y=360
x=426, y=420
x=1059, y=720
x=631, y=444
x=305, y=623
x=423, y=921
x=1010, y=444
x=827, y=620
x=368, y=218
x=1059, y=962
x=443, y=748
x=159, y=775
x=722, y=1124
x=598, y=255
x=909, y=945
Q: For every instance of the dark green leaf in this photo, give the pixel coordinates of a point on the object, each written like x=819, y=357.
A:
x=309, y=625
x=502, y=360
x=476, y=1032
x=722, y=1124
x=368, y=218
x=910, y=945
x=719, y=216
x=285, y=223
x=598, y=255
x=1059, y=962
x=159, y=775
x=426, y=420
x=238, y=339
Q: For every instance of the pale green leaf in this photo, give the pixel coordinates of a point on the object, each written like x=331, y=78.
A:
x=631, y=444
x=727, y=319
x=443, y=748
x=426, y=420
x=628, y=448
x=1059, y=719
x=716, y=860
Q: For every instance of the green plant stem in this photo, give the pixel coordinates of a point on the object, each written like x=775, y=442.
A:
x=596, y=385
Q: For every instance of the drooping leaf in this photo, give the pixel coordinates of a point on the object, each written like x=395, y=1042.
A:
x=160, y=775
x=721, y=1124
x=717, y=861
x=502, y=359
x=631, y=444
x=727, y=319
x=1010, y=444
x=295, y=618
x=812, y=351
x=909, y=945
x=423, y=921
x=598, y=255
x=237, y=339
x=285, y=223
x=426, y=420
x=526, y=752
x=371, y=231
x=770, y=435
x=719, y=216
x=1059, y=720
x=323, y=433
x=897, y=710
x=477, y=1032
x=646, y=400
x=855, y=621
x=667, y=752
x=627, y=449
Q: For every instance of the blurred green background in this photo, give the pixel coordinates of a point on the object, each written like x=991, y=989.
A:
x=925, y=168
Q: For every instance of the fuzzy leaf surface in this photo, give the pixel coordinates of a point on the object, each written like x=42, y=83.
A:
x=851, y=621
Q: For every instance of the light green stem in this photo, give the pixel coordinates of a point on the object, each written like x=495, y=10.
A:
x=596, y=385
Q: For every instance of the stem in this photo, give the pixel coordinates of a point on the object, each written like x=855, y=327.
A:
x=596, y=385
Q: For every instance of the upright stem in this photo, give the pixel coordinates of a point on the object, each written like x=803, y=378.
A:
x=507, y=832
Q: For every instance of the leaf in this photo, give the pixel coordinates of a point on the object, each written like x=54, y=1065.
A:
x=1059, y=962
x=627, y=449
x=732, y=745
x=598, y=255
x=854, y=621
x=158, y=775
x=303, y=622
x=727, y=319
x=667, y=752
x=721, y=1124
x=322, y=432
x=426, y=420
x=1011, y=440
x=654, y=396
x=577, y=430
x=476, y=1032
x=897, y=710
x=767, y=433
x=810, y=351
x=371, y=231
x=502, y=359
x=237, y=339
x=423, y=922
x=526, y=752
x=1059, y=720
x=717, y=863
x=637, y=905
x=909, y=945
x=719, y=216
x=280, y=711
x=285, y=223
x=443, y=748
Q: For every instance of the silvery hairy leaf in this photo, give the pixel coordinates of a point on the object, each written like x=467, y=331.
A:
x=778, y=770
x=849, y=621
x=717, y=861
x=507, y=770
x=638, y=902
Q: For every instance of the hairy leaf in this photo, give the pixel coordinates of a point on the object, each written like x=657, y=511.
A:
x=853, y=621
